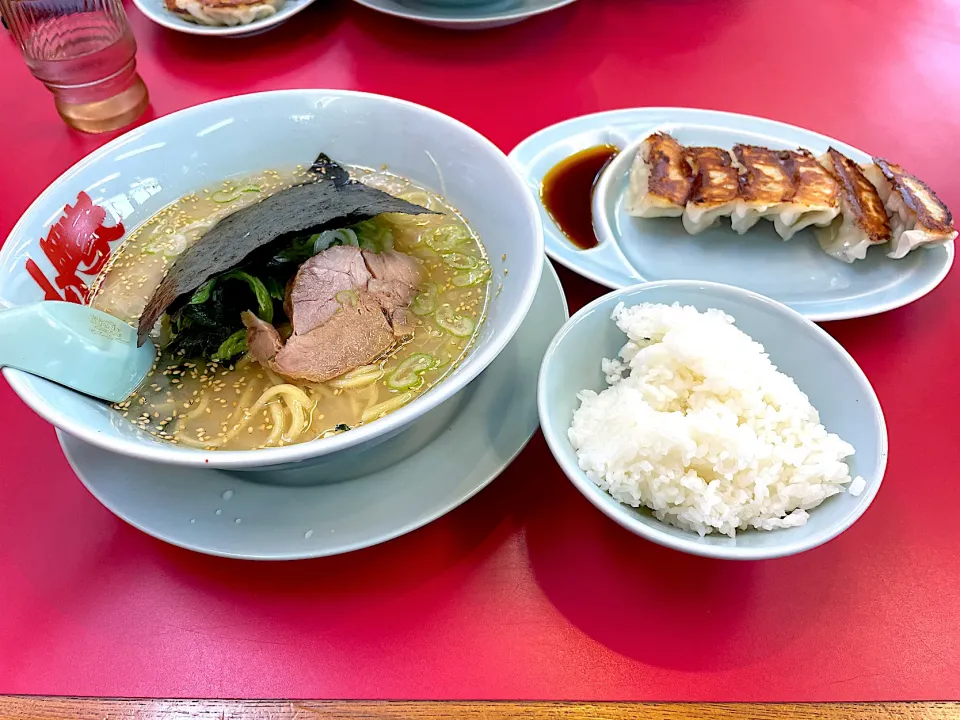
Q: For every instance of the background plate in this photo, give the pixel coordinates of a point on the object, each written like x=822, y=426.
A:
x=496, y=14
x=797, y=273
x=227, y=514
x=155, y=11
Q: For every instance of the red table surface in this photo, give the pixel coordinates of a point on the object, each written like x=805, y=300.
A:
x=527, y=591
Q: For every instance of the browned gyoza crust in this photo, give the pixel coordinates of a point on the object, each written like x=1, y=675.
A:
x=932, y=214
x=670, y=177
x=716, y=180
x=765, y=180
x=814, y=186
x=861, y=199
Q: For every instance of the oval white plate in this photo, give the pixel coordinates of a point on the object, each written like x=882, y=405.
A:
x=478, y=434
x=796, y=273
x=155, y=11
x=497, y=14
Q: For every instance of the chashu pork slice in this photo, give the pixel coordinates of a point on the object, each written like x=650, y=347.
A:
x=347, y=307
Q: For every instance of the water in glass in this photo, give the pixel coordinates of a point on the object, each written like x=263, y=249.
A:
x=84, y=52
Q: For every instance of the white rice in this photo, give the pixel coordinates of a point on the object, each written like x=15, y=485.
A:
x=699, y=426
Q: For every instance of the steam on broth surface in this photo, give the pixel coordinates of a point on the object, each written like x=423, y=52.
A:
x=239, y=404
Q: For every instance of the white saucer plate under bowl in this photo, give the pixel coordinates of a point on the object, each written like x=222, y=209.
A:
x=483, y=16
x=478, y=433
x=633, y=250
x=155, y=11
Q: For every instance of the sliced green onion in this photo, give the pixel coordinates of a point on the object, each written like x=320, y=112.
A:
x=457, y=325
x=170, y=246
x=233, y=345
x=329, y=238
x=426, y=302
x=373, y=236
x=471, y=277
x=459, y=261
x=447, y=238
x=388, y=406
x=410, y=372
x=347, y=297
x=225, y=196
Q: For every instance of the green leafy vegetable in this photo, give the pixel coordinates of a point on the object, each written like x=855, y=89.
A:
x=208, y=323
x=276, y=288
x=231, y=347
x=264, y=301
x=202, y=293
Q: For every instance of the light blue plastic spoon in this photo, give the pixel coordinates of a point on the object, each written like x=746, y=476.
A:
x=75, y=346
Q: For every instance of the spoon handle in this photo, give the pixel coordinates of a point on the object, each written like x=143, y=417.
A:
x=16, y=325
x=76, y=346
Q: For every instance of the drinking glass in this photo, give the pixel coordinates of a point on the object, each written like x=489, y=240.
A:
x=84, y=52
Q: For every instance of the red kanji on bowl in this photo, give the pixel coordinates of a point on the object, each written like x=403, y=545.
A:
x=78, y=242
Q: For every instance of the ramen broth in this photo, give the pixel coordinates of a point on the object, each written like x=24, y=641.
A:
x=243, y=406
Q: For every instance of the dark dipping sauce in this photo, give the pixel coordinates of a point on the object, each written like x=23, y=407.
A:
x=567, y=192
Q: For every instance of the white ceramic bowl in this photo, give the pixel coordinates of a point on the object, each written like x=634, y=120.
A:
x=821, y=368
x=139, y=173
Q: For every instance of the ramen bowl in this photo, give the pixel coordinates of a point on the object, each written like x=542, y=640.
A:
x=67, y=235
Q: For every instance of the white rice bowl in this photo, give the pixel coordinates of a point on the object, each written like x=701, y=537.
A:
x=701, y=428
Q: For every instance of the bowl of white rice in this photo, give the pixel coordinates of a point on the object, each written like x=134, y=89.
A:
x=712, y=420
